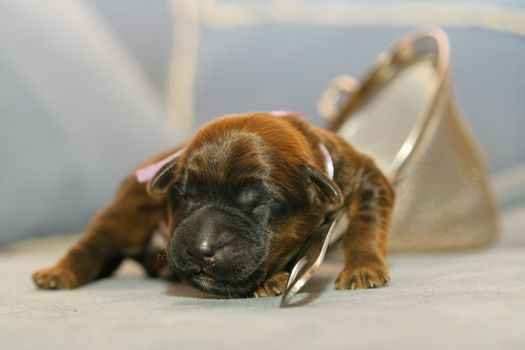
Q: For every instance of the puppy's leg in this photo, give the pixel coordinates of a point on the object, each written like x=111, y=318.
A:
x=273, y=286
x=123, y=229
x=365, y=242
x=153, y=259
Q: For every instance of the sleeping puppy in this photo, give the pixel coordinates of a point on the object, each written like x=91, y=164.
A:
x=239, y=200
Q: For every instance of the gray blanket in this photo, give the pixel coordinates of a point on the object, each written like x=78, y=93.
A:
x=452, y=300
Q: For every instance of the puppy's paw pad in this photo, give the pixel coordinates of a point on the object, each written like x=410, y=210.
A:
x=365, y=276
x=273, y=286
x=55, y=278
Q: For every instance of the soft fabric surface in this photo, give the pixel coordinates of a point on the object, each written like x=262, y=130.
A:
x=239, y=55
x=76, y=115
x=454, y=300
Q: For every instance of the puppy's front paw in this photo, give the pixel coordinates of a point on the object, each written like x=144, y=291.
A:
x=369, y=274
x=273, y=286
x=56, y=277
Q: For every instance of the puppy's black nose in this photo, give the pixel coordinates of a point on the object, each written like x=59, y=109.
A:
x=202, y=252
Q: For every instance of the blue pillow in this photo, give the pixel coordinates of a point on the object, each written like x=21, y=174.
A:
x=76, y=113
x=239, y=55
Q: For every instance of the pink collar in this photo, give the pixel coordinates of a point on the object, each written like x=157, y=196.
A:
x=146, y=173
x=328, y=161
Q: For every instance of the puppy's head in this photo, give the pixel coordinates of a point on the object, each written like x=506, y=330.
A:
x=243, y=196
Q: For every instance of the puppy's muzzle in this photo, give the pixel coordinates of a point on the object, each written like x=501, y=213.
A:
x=215, y=242
x=202, y=253
x=207, y=237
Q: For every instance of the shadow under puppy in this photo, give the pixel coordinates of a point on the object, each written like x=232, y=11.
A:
x=239, y=201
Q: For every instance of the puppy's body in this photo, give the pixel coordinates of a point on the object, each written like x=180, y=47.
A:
x=240, y=200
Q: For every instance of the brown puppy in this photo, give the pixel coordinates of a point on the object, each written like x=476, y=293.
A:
x=239, y=201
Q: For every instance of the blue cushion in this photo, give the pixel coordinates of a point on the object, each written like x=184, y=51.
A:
x=76, y=115
x=263, y=55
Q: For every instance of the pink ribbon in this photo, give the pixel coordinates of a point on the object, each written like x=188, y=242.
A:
x=148, y=172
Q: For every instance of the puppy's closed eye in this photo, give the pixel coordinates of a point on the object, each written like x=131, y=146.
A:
x=248, y=198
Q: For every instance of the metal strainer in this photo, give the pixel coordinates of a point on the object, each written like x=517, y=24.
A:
x=404, y=115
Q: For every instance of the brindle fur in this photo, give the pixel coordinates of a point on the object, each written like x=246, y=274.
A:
x=239, y=145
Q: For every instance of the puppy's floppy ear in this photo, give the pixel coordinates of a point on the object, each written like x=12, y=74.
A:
x=326, y=188
x=162, y=178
